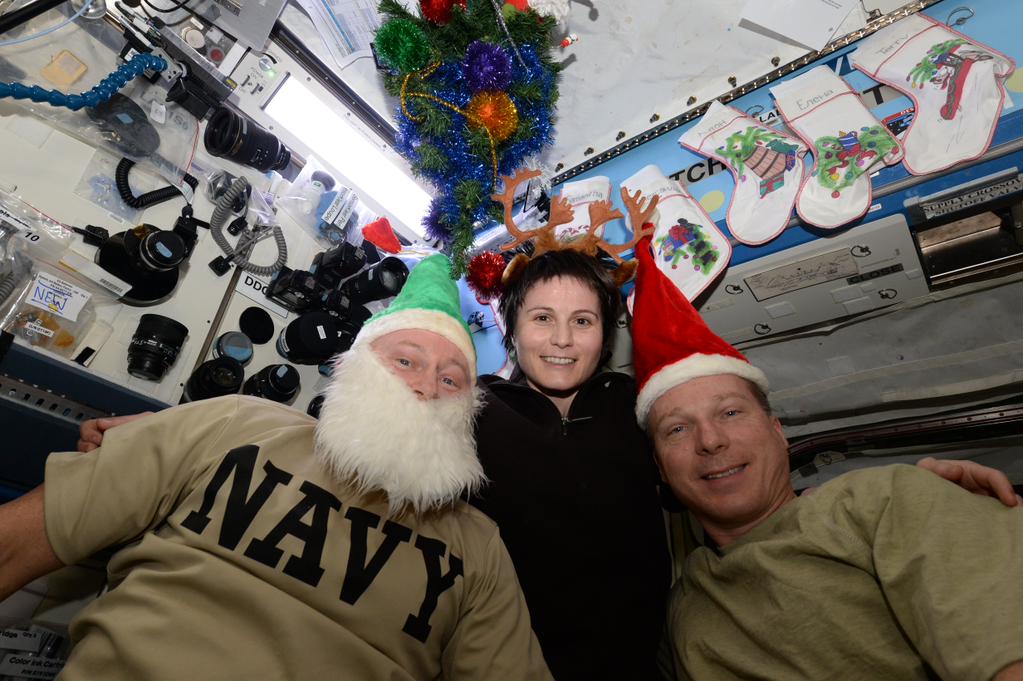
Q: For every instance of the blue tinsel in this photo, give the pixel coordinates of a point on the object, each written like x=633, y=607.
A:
x=451, y=84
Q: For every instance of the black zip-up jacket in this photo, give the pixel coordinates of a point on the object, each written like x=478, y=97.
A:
x=577, y=504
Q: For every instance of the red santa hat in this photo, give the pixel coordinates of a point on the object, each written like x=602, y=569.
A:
x=671, y=344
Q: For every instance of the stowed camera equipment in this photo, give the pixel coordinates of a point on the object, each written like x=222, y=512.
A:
x=350, y=317
x=154, y=346
x=234, y=344
x=337, y=264
x=200, y=87
x=147, y=258
x=311, y=338
x=217, y=184
x=232, y=136
x=238, y=254
x=126, y=125
x=335, y=286
x=277, y=382
x=297, y=290
x=214, y=378
x=382, y=280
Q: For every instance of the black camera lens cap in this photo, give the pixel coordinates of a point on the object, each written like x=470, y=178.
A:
x=163, y=249
x=284, y=379
x=256, y=323
x=233, y=344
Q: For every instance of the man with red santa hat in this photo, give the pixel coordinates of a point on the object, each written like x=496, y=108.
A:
x=884, y=573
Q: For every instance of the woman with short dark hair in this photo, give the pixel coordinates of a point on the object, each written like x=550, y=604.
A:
x=573, y=485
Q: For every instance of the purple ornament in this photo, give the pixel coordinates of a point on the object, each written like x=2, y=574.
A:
x=487, y=67
x=435, y=229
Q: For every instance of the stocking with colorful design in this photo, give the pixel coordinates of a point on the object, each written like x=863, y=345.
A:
x=688, y=246
x=767, y=166
x=956, y=83
x=847, y=142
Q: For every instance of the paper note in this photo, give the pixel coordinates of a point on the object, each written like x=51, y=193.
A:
x=812, y=23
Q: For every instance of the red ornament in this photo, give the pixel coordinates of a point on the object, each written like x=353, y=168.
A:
x=484, y=276
x=520, y=5
x=439, y=11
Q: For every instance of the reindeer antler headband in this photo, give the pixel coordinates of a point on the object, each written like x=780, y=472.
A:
x=545, y=238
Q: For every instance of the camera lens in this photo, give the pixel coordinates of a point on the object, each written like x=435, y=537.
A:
x=213, y=378
x=383, y=280
x=155, y=346
x=236, y=138
x=309, y=339
x=277, y=382
x=233, y=344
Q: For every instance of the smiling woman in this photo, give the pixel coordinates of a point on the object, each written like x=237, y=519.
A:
x=573, y=485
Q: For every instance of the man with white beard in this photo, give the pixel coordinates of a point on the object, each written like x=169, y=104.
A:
x=254, y=542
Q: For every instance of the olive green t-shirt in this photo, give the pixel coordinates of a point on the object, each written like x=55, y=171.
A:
x=242, y=559
x=876, y=575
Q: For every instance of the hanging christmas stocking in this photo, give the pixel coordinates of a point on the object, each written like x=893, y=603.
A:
x=955, y=82
x=767, y=166
x=688, y=246
x=847, y=142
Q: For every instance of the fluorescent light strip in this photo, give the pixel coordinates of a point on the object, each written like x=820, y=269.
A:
x=334, y=140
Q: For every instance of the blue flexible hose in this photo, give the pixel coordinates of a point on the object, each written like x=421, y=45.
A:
x=106, y=89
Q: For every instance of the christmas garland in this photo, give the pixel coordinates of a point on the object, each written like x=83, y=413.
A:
x=477, y=89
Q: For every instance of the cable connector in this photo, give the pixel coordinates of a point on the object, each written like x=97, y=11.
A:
x=92, y=235
x=220, y=265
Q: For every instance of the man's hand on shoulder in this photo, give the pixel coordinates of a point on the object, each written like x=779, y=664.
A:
x=90, y=433
x=973, y=477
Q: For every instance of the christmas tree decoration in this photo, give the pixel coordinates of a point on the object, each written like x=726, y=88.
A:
x=766, y=164
x=688, y=247
x=403, y=45
x=848, y=144
x=484, y=276
x=477, y=108
x=494, y=111
x=957, y=86
x=439, y=11
x=487, y=67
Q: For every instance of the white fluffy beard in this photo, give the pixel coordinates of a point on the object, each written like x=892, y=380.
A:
x=375, y=434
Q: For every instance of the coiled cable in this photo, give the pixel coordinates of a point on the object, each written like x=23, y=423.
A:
x=240, y=255
x=14, y=277
x=149, y=198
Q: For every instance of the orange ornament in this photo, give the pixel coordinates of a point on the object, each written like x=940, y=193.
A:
x=496, y=112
